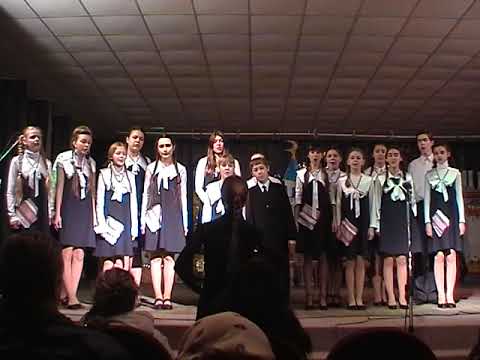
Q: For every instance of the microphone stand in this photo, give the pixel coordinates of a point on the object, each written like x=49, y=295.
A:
x=5, y=154
x=409, y=285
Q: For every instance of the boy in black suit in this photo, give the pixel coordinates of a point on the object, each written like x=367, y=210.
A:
x=268, y=208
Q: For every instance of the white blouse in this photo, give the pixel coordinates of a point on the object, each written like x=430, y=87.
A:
x=400, y=187
x=32, y=169
x=70, y=162
x=438, y=179
x=107, y=182
x=200, y=177
x=355, y=192
x=165, y=173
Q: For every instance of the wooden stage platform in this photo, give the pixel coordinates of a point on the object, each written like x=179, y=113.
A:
x=451, y=333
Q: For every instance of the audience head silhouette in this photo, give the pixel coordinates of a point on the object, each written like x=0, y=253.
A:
x=31, y=268
x=234, y=194
x=115, y=293
x=225, y=336
x=365, y=345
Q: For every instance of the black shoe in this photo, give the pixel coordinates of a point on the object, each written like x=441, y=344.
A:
x=451, y=305
x=352, y=307
x=377, y=303
x=362, y=307
x=158, y=304
x=404, y=307
x=323, y=307
x=393, y=307
x=75, y=306
x=442, y=306
x=167, y=304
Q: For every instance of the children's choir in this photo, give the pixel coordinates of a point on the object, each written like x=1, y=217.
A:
x=343, y=222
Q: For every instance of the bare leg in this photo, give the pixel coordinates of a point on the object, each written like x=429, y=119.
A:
x=126, y=263
x=307, y=278
x=168, y=278
x=137, y=275
x=107, y=265
x=156, y=271
x=451, y=275
x=119, y=264
x=439, y=272
x=359, y=280
x=350, y=281
x=291, y=262
x=337, y=282
x=388, y=279
x=377, y=280
x=323, y=276
x=77, y=267
x=402, y=279
x=67, y=254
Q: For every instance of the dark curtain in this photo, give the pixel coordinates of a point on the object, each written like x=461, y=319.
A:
x=13, y=111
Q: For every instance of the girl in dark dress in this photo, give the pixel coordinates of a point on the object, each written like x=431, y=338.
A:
x=116, y=211
x=207, y=169
x=164, y=217
x=392, y=225
x=354, y=201
x=137, y=164
x=28, y=184
x=333, y=159
x=313, y=214
x=445, y=221
x=74, y=171
x=378, y=171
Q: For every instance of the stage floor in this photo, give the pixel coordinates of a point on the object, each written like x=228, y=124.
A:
x=450, y=332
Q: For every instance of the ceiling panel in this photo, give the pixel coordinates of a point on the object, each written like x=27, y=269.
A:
x=165, y=6
x=71, y=26
x=121, y=25
x=223, y=24
x=111, y=7
x=251, y=65
x=17, y=9
x=59, y=8
x=221, y=6
x=333, y=7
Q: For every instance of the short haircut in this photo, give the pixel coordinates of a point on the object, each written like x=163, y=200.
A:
x=258, y=161
x=425, y=132
x=226, y=159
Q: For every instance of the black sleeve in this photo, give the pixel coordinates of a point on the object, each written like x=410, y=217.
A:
x=288, y=213
x=249, y=208
x=184, y=263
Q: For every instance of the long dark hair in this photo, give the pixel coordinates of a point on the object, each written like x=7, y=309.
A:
x=323, y=173
x=402, y=166
x=211, y=160
x=451, y=161
x=234, y=195
x=371, y=162
x=174, y=161
x=82, y=130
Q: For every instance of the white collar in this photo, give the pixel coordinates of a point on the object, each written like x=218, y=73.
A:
x=266, y=185
x=380, y=170
x=428, y=158
x=35, y=156
x=443, y=166
x=139, y=162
